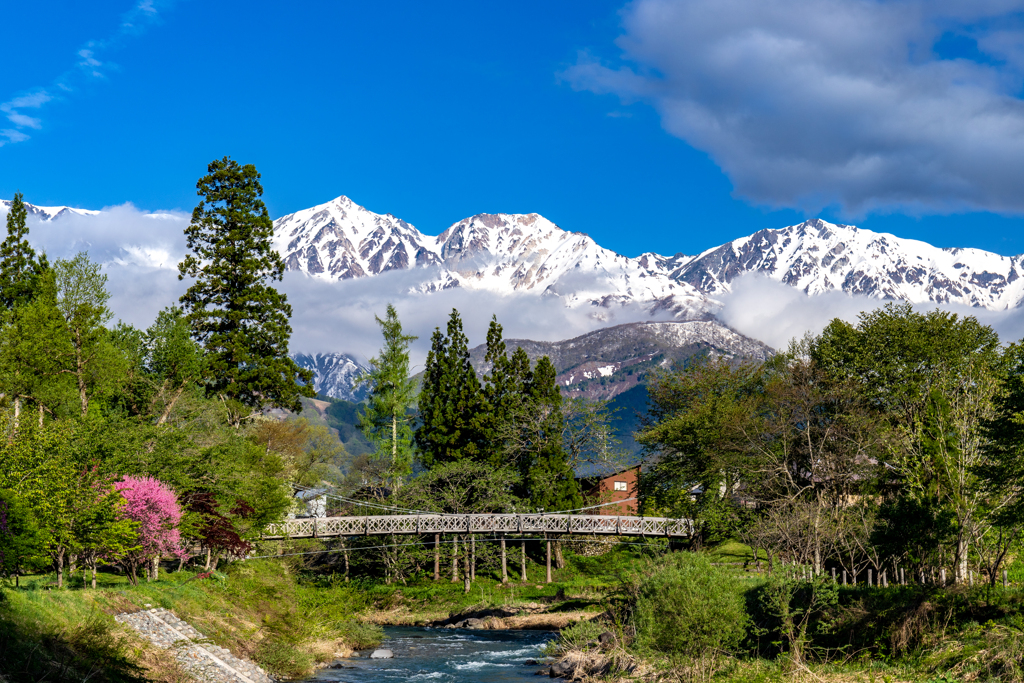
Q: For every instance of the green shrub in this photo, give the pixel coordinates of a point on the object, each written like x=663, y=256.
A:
x=689, y=612
x=577, y=636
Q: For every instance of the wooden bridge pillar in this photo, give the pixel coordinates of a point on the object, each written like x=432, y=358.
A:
x=437, y=557
x=504, y=566
x=548, y=543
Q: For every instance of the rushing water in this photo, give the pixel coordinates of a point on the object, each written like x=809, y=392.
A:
x=446, y=656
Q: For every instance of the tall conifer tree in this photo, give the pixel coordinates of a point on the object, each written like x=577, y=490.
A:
x=20, y=269
x=385, y=422
x=450, y=401
x=236, y=314
x=550, y=482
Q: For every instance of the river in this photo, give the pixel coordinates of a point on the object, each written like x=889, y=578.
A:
x=446, y=656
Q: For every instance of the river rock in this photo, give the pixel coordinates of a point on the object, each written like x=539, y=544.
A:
x=531, y=662
x=560, y=669
x=382, y=654
x=473, y=623
x=606, y=638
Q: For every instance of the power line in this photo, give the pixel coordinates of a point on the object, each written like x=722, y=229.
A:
x=430, y=543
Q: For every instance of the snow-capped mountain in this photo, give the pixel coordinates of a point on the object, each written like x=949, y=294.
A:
x=47, y=213
x=609, y=361
x=518, y=253
x=503, y=253
x=334, y=374
x=817, y=257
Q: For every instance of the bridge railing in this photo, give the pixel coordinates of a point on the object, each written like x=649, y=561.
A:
x=376, y=525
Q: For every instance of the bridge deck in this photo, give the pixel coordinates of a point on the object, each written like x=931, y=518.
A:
x=324, y=527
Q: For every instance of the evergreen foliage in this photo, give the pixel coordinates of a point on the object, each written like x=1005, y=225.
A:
x=20, y=268
x=241, y=320
x=550, y=480
x=451, y=403
x=386, y=421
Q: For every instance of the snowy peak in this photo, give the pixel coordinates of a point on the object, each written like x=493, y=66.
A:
x=335, y=374
x=47, y=213
x=341, y=240
x=817, y=256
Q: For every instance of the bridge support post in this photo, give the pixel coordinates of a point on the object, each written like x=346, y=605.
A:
x=548, y=543
x=522, y=548
x=472, y=557
x=437, y=557
x=504, y=565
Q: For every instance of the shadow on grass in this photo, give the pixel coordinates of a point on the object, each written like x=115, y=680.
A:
x=86, y=652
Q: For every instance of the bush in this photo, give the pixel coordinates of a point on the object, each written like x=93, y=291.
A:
x=690, y=612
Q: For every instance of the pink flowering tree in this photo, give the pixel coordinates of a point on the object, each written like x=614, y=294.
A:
x=154, y=507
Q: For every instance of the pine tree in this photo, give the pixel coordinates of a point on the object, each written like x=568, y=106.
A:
x=19, y=268
x=385, y=421
x=550, y=482
x=451, y=403
x=241, y=320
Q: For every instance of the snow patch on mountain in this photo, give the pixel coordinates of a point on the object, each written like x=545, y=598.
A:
x=335, y=374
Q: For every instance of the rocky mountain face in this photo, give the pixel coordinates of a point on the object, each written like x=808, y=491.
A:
x=610, y=361
x=503, y=253
x=47, y=213
x=519, y=253
x=334, y=374
x=817, y=257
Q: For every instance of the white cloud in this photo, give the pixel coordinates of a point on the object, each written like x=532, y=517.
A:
x=812, y=103
x=776, y=313
x=143, y=14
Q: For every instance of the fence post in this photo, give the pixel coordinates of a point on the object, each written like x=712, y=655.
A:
x=1004, y=579
x=833, y=574
x=869, y=578
x=844, y=577
x=942, y=576
x=903, y=577
x=885, y=578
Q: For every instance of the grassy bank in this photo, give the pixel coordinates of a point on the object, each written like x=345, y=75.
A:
x=261, y=610
x=900, y=633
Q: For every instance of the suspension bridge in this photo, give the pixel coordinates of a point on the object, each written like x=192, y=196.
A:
x=550, y=523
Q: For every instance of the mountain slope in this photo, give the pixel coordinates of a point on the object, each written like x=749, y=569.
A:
x=334, y=374
x=501, y=253
x=816, y=257
x=607, y=362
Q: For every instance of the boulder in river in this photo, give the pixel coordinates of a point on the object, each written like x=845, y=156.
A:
x=382, y=654
x=473, y=623
x=560, y=669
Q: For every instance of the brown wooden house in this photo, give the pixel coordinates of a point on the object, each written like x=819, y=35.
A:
x=619, y=486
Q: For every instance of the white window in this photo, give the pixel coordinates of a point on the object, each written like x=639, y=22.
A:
x=621, y=486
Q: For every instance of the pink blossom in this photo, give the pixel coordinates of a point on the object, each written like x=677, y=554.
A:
x=155, y=507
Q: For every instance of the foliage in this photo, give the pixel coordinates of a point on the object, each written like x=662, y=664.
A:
x=20, y=269
x=21, y=540
x=689, y=611
x=450, y=401
x=385, y=421
x=155, y=510
x=236, y=314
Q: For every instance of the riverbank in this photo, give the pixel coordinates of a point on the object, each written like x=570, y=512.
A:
x=258, y=610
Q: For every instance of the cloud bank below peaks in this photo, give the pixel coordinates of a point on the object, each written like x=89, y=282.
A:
x=776, y=313
x=905, y=105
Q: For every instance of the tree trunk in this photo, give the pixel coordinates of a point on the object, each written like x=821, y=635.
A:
x=455, y=558
x=206, y=567
x=41, y=408
x=80, y=373
x=170, y=405
x=522, y=559
x=93, y=567
x=466, y=578
x=344, y=552
x=59, y=562
x=472, y=561
x=216, y=560
x=437, y=557
x=156, y=567
x=548, y=544
x=559, y=559
x=504, y=564
x=17, y=411
x=72, y=564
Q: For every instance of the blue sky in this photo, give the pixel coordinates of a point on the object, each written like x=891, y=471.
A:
x=656, y=126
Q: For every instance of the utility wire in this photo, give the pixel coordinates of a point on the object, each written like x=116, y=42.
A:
x=430, y=543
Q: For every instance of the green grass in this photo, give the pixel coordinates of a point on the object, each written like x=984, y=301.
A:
x=258, y=609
